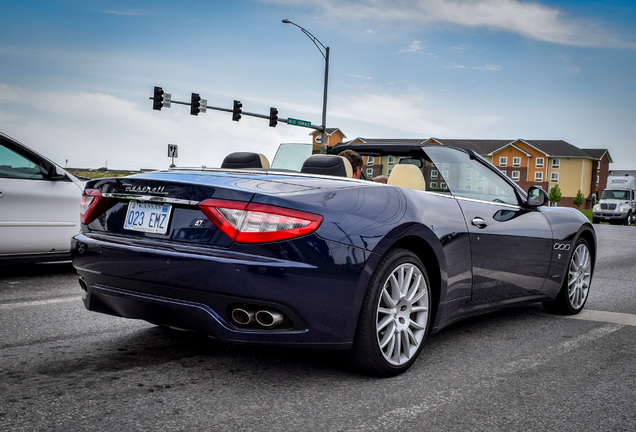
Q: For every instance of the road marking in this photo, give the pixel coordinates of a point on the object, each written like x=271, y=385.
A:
x=608, y=317
x=38, y=302
x=489, y=380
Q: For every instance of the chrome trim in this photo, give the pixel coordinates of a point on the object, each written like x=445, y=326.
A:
x=461, y=198
x=149, y=198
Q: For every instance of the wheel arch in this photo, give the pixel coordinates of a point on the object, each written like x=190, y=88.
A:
x=427, y=255
x=590, y=237
x=421, y=241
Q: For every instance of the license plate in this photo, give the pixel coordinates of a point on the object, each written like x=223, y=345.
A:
x=148, y=217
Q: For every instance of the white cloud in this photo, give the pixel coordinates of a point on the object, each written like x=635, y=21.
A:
x=361, y=77
x=94, y=129
x=530, y=19
x=115, y=12
x=487, y=67
x=409, y=115
x=415, y=47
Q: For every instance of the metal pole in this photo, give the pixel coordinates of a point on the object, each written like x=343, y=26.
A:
x=323, y=144
x=319, y=44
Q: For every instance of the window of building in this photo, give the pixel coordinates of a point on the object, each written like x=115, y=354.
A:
x=434, y=173
x=538, y=163
x=554, y=177
x=442, y=185
x=598, y=180
x=468, y=176
x=556, y=163
x=433, y=185
x=388, y=172
x=538, y=176
x=391, y=160
x=369, y=173
x=468, y=187
x=516, y=175
x=503, y=161
x=516, y=161
x=445, y=174
x=370, y=160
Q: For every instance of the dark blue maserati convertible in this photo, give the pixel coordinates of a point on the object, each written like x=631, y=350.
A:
x=314, y=258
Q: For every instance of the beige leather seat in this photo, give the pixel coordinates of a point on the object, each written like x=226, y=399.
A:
x=245, y=160
x=407, y=175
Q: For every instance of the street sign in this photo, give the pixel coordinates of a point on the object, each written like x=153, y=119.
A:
x=296, y=122
x=173, y=150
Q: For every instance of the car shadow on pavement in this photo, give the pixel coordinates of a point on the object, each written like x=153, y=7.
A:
x=158, y=347
x=38, y=269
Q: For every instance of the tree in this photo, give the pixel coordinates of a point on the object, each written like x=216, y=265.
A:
x=555, y=194
x=578, y=199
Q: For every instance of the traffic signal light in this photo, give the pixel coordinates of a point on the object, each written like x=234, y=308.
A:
x=195, y=101
x=236, y=110
x=157, y=99
x=273, y=117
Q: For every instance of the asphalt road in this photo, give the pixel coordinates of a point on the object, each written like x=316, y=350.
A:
x=65, y=369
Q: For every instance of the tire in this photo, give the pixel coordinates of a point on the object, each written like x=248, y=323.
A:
x=576, y=287
x=395, y=316
x=628, y=219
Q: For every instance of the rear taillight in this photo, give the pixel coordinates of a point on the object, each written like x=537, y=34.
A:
x=92, y=202
x=258, y=223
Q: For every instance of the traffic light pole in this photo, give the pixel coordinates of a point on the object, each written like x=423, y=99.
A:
x=272, y=117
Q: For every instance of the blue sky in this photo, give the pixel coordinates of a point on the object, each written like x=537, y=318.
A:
x=75, y=76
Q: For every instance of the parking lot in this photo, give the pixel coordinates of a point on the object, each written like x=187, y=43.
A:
x=63, y=368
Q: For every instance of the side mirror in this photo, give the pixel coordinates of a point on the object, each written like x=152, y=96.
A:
x=53, y=172
x=537, y=197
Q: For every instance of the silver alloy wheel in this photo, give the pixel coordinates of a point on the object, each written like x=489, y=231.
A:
x=402, y=314
x=579, y=276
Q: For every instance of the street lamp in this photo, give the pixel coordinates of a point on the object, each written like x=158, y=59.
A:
x=325, y=55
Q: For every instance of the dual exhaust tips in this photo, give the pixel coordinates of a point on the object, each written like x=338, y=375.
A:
x=264, y=318
x=243, y=317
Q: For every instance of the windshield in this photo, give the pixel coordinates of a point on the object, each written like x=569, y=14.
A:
x=615, y=195
x=291, y=156
x=469, y=178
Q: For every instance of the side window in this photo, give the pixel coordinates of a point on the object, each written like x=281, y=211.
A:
x=471, y=178
x=16, y=166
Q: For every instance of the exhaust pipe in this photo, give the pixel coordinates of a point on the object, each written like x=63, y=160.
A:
x=83, y=284
x=242, y=316
x=268, y=318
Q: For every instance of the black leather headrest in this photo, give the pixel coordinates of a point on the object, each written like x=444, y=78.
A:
x=327, y=165
x=244, y=160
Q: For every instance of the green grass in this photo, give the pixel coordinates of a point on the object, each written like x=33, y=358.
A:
x=587, y=213
x=95, y=174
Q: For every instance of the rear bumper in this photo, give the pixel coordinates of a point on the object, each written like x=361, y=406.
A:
x=196, y=289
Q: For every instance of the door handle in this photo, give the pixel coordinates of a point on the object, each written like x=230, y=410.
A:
x=479, y=222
